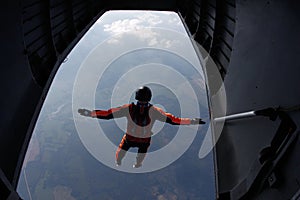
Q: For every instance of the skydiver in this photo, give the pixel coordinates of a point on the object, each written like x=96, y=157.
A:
x=140, y=119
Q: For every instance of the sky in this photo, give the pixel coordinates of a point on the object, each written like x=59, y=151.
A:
x=145, y=29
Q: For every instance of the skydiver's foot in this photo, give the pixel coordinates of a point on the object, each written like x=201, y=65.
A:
x=118, y=163
x=137, y=165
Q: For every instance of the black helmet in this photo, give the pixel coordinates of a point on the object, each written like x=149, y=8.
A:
x=143, y=94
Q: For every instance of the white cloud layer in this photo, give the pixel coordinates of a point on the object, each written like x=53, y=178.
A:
x=142, y=26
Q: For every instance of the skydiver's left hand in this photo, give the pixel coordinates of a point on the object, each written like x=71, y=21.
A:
x=197, y=121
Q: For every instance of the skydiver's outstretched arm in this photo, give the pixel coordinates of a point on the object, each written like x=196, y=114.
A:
x=118, y=112
x=171, y=119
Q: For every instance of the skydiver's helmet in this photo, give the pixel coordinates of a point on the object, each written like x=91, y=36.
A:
x=143, y=94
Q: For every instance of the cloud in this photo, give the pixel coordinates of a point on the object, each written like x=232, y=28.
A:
x=174, y=21
x=139, y=20
x=122, y=26
x=142, y=26
x=150, y=19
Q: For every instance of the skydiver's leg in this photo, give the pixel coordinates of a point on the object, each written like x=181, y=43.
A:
x=121, y=151
x=143, y=148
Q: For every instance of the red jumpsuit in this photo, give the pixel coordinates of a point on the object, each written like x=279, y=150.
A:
x=141, y=118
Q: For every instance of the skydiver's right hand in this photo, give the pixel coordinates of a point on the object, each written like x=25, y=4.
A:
x=84, y=112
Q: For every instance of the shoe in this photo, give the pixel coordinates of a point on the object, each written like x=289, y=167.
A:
x=137, y=165
x=118, y=163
